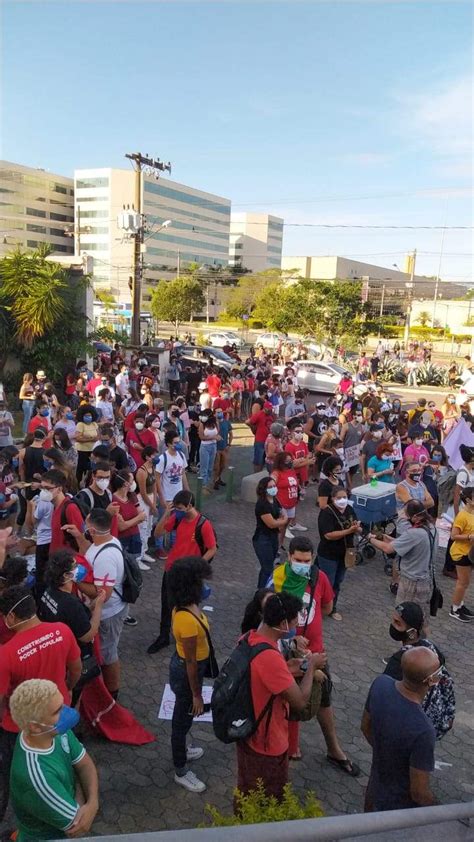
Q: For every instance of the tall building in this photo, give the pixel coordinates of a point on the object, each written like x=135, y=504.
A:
x=36, y=207
x=255, y=241
x=197, y=229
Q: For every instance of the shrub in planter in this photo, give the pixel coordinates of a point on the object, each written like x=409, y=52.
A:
x=257, y=807
x=430, y=374
x=392, y=371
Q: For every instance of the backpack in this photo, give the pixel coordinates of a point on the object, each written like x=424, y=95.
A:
x=198, y=533
x=165, y=458
x=233, y=715
x=84, y=510
x=445, y=486
x=132, y=577
x=83, y=505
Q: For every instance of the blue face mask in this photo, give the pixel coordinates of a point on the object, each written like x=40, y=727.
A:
x=44, y=413
x=15, y=462
x=219, y=416
x=48, y=464
x=68, y=719
x=69, y=416
x=178, y=447
x=87, y=419
x=272, y=491
x=155, y=459
x=289, y=634
x=206, y=592
x=436, y=457
x=301, y=569
x=80, y=573
x=179, y=515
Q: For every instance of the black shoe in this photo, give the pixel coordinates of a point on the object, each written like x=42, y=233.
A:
x=160, y=643
x=222, y=484
x=459, y=614
x=130, y=621
x=466, y=613
x=394, y=588
x=216, y=486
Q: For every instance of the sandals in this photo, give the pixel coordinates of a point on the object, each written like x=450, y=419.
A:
x=346, y=766
x=296, y=756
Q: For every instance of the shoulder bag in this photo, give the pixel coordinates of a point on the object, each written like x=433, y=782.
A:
x=437, y=600
x=212, y=668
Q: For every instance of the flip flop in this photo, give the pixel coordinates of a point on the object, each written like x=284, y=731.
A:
x=296, y=756
x=346, y=765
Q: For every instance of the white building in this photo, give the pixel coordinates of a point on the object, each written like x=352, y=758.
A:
x=198, y=233
x=35, y=208
x=255, y=241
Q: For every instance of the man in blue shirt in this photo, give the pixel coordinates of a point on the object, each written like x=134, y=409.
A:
x=401, y=735
x=223, y=446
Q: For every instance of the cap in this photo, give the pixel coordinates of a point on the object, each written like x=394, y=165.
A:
x=412, y=614
x=320, y=405
x=40, y=373
x=267, y=405
x=202, y=386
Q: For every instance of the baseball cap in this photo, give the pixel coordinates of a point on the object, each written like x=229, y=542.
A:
x=267, y=405
x=412, y=614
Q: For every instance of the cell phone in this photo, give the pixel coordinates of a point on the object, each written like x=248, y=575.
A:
x=206, y=709
x=304, y=665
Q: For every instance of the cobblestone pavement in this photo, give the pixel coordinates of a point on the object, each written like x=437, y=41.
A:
x=137, y=788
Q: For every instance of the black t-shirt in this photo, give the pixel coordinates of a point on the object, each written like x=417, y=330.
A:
x=118, y=457
x=264, y=507
x=329, y=521
x=60, y=606
x=394, y=663
x=101, y=501
x=326, y=488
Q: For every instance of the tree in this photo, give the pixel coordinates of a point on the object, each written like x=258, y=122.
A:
x=424, y=318
x=176, y=301
x=242, y=299
x=106, y=299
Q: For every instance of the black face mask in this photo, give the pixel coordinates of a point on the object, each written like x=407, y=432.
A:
x=396, y=634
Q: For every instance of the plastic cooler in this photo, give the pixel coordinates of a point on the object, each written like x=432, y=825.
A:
x=374, y=503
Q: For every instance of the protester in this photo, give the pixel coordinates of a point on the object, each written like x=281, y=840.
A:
x=260, y=423
x=380, y=465
x=337, y=525
x=170, y=476
x=224, y=443
x=401, y=735
x=147, y=498
x=286, y=481
x=209, y=435
x=87, y=433
x=271, y=520
x=27, y=398
x=129, y=515
x=461, y=552
x=332, y=469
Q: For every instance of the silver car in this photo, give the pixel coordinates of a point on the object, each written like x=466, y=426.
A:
x=317, y=376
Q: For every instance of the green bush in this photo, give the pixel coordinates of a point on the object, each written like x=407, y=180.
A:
x=431, y=374
x=257, y=807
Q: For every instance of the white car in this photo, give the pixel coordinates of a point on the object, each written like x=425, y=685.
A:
x=270, y=340
x=316, y=376
x=219, y=339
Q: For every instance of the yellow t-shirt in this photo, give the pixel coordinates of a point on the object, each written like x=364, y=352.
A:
x=185, y=625
x=89, y=430
x=465, y=522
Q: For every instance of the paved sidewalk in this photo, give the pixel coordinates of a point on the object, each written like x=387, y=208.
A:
x=137, y=788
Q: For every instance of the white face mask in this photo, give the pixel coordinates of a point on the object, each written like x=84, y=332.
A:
x=46, y=496
x=377, y=434
x=133, y=486
x=386, y=456
x=341, y=502
x=418, y=442
x=139, y=426
x=103, y=484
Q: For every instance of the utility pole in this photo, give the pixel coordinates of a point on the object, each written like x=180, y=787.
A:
x=382, y=300
x=76, y=231
x=142, y=163
x=437, y=277
x=409, y=286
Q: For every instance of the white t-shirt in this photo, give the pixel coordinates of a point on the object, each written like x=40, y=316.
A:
x=122, y=383
x=106, y=410
x=108, y=572
x=171, y=470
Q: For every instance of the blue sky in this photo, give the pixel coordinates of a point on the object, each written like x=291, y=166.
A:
x=339, y=113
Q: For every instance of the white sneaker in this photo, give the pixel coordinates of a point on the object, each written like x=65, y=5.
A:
x=190, y=782
x=299, y=526
x=143, y=566
x=289, y=534
x=148, y=558
x=194, y=752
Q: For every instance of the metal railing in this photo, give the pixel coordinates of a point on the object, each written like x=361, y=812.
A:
x=350, y=827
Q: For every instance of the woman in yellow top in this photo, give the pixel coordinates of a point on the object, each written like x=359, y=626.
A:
x=87, y=433
x=188, y=664
x=461, y=550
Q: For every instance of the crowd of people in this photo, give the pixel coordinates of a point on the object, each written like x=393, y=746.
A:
x=98, y=492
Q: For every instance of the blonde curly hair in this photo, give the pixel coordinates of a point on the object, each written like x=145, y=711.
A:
x=29, y=702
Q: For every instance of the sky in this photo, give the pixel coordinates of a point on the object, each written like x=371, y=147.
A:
x=335, y=113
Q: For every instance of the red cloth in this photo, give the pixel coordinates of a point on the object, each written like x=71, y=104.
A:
x=73, y=517
x=5, y=633
x=128, y=510
x=129, y=420
x=269, y=675
x=186, y=543
x=262, y=421
x=92, y=385
x=287, y=486
x=144, y=438
x=323, y=595
x=299, y=450
x=44, y=651
x=213, y=383
x=222, y=403
x=38, y=421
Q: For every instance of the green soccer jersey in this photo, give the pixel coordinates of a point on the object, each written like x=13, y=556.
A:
x=43, y=787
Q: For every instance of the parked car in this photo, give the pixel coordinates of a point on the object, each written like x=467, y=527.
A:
x=316, y=376
x=208, y=355
x=270, y=340
x=218, y=339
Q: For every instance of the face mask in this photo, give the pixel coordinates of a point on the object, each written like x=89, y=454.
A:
x=155, y=459
x=179, y=515
x=418, y=442
x=415, y=477
x=69, y=416
x=289, y=465
x=437, y=457
x=396, y=634
x=103, y=484
x=359, y=418
x=15, y=462
x=139, y=426
x=133, y=486
x=377, y=434
x=452, y=400
x=219, y=416
x=68, y=719
x=272, y=491
x=340, y=451
x=2, y=497
x=225, y=396
x=289, y=634
x=48, y=464
x=203, y=418
x=205, y=592
x=46, y=496
x=87, y=419
x=386, y=456
x=125, y=372
x=298, y=436
x=178, y=447
x=44, y=413
x=301, y=569
x=79, y=573
x=341, y=502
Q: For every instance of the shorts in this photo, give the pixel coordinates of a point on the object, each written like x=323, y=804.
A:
x=110, y=630
x=415, y=590
x=464, y=561
x=290, y=513
x=259, y=453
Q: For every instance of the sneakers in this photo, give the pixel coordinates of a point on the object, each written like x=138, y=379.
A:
x=142, y=565
x=299, y=527
x=130, y=621
x=194, y=752
x=190, y=782
x=462, y=614
x=162, y=555
x=159, y=643
x=222, y=484
x=148, y=558
x=289, y=534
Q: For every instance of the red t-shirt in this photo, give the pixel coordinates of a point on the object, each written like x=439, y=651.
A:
x=323, y=595
x=129, y=420
x=222, y=403
x=6, y=634
x=269, y=675
x=186, y=543
x=287, y=488
x=38, y=421
x=92, y=385
x=128, y=510
x=144, y=437
x=73, y=517
x=299, y=450
x=44, y=651
x=213, y=383
x=262, y=421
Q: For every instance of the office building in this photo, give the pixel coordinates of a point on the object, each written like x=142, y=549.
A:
x=198, y=229
x=255, y=241
x=36, y=207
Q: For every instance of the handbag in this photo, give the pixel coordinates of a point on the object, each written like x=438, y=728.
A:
x=350, y=555
x=212, y=667
x=437, y=599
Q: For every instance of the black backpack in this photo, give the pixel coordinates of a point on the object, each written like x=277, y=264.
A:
x=198, y=534
x=233, y=715
x=132, y=577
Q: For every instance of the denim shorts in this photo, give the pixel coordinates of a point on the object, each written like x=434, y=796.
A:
x=259, y=453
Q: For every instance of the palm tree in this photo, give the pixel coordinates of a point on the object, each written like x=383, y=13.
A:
x=424, y=318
